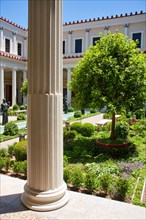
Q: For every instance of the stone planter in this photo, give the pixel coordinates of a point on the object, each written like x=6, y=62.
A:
x=106, y=145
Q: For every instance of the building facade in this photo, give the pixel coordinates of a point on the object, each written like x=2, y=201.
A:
x=77, y=37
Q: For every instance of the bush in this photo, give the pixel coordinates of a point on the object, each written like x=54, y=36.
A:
x=2, y=163
x=20, y=150
x=3, y=152
x=22, y=107
x=71, y=109
x=122, y=130
x=107, y=115
x=67, y=174
x=105, y=181
x=92, y=110
x=90, y=181
x=21, y=116
x=20, y=167
x=15, y=107
x=70, y=135
x=10, y=112
x=10, y=128
x=7, y=163
x=77, y=114
x=122, y=186
x=87, y=129
x=11, y=149
x=76, y=126
x=77, y=177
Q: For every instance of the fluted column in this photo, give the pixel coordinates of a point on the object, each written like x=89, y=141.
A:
x=25, y=47
x=14, y=44
x=106, y=30
x=24, y=78
x=68, y=90
x=87, y=38
x=1, y=84
x=69, y=42
x=1, y=38
x=45, y=189
x=13, y=87
x=126, y=27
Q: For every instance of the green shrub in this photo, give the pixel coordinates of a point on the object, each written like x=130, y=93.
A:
x=2, y=163
x=15, y=107
x=122, y=186
x=22, y=107
x=76, y=126
x=77, y=114
x=90, y=181
x=10, y=112
x=87, y=129
x=21, y=116
x=92, y=110
x=105, y=181
x=10, y=128
x=122, y=130
x=70, y=135
x=20, y=167
x=70, y=109
x=77, y=178
x=67, y=174
x=7, y=163
x=3, y=152
x=20, y=150
x=107, y=115
x=11, y=149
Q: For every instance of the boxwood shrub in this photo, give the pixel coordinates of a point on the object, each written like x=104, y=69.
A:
x=77, y=114
x=21, y=116
x=77, y=126
x=20, y=150
x=122, y=129
x=87, y=129
x=10, y=128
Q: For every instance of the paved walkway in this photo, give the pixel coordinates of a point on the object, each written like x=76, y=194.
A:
x=79, y=207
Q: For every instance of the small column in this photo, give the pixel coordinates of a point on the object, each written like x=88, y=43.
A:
x=24, y=78
x=1, y=83
x=13, y=87
x=87, y=38
x=69, y=42
x=126, y=28
x=14, y=48
x=1, y=38
x=68, y=90
x=106, y=30
x=25, y=47
x=45, y=189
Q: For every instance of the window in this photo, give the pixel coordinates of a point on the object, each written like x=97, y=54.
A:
x=64, y=47
x=94, y=40
x=7, y=45
x=137, y=36
x=19, y=49
x=78, y=46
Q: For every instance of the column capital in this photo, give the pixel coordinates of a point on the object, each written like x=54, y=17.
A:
x=106, y=28
x=126, y=25
x=1, y=28
x=70, y=32
x=87, y=29
x=14, y=33
x=25, y=38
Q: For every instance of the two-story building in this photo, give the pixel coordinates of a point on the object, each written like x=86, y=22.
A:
x=77, y=37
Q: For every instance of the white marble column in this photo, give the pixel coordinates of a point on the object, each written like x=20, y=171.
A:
x=106, y=30
x=14, y=87
x=87, y=38
x=14, y=47
x=69, y=42
x=1, y=39
x=24, y=78
x=126, y=27
x=68, y=90
x=45, y=189
x=1, y=84
x=25, y=47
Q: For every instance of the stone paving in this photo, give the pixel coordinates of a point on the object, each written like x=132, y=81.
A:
x=79, y=207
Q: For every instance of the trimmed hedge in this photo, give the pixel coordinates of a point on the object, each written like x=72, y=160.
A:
x=10, y=128
x=76, y=126
x=20, y=150
x=87, y=129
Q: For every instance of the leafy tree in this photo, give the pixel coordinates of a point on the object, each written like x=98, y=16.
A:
x=110, y=74
x=24, y=87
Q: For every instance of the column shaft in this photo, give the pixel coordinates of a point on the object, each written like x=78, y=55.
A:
x=1, y=39
x=1, y=84
x=14, y=44
x=68, y=90
x=45, y=189
x=13, y=87
x=69, y=42
x=126, y=29
x=87, y=38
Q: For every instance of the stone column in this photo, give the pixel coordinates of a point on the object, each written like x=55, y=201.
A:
x=106, y=30
x=24, y=78
x=45, y=189
x=1, y=39
x=126, y=27
x=14, y=87
x=14, y=48
x=1, y=84
x=87, y=38
x=25, y=47
x=68, y=90
x=69, y=42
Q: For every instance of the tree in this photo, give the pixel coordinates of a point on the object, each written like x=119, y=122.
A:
x=110, y=74
x=24, y=87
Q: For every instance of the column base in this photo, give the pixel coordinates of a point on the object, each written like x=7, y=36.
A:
x=46, y=200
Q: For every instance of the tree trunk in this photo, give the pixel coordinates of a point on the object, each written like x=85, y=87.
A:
x=113, y=127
